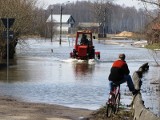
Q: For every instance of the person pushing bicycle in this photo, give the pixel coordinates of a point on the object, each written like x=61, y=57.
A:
x=119, y=73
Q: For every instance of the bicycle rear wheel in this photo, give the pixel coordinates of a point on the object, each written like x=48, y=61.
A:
x=117, y=103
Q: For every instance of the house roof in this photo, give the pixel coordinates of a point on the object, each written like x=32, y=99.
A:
x=156, y=26
x=65, y=18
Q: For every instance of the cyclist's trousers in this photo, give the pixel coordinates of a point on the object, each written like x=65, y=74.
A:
x=128, y=79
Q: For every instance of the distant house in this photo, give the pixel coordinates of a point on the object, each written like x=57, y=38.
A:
x=95, y=28
x=153, y=31
x=88, y=26
x=67, y=22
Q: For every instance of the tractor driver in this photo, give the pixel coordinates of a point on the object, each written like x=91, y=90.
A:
x=84, y=40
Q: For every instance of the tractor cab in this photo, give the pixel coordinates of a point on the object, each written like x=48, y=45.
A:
x=83, y=48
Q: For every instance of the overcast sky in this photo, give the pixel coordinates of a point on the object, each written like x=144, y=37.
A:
x=129, y=3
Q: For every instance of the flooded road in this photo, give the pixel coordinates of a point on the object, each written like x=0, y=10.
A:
x=42, y=75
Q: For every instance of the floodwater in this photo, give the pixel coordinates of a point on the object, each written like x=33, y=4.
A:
x=43, y=72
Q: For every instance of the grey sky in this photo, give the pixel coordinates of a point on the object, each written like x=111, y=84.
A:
x=129, y=3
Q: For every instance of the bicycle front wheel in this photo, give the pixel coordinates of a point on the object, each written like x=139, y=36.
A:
x=109, y=109
x=117, y=103
x=110, y=106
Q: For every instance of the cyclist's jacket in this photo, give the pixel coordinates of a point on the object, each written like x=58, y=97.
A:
x=118, y=70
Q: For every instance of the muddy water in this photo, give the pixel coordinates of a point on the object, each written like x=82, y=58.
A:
x=42, y=75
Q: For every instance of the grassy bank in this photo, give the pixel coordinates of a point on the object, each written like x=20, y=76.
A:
x=153, y=46
x=123, y=114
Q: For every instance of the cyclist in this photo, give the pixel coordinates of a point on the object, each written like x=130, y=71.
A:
x=119, y=74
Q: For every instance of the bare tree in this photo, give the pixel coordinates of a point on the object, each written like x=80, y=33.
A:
x=153, y=28
x=23, y=12
x=152, y=2
x=102, y=10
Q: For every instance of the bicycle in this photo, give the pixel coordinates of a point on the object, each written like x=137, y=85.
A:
x=112, y=105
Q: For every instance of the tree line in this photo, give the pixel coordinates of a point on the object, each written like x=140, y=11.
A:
x=116, y=17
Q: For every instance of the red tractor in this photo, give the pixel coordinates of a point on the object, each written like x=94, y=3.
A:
x=83, y=48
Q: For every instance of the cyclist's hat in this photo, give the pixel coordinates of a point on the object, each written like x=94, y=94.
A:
x=122, y=56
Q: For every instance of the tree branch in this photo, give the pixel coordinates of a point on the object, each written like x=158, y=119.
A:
x=150, y=2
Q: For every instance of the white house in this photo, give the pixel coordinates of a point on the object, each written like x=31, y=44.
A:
x=67, y=22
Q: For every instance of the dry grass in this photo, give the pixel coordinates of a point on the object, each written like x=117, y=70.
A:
x=123, y=114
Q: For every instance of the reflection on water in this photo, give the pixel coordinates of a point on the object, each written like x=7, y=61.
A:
x=40, y=75
x=82, y=69
x=3, y=69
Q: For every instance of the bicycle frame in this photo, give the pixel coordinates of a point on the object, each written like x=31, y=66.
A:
x=113, y=100
x=116, y=90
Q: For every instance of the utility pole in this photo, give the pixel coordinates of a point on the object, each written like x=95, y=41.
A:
x=60, y=31
x=60, y=25
x=7, y=48
x=51, y=24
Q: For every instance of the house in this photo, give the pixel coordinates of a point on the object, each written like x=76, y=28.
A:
x=101, y=29
x=64, y=22
x=88, y=26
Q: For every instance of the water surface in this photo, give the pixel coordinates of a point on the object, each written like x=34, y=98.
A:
x=40, y=75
